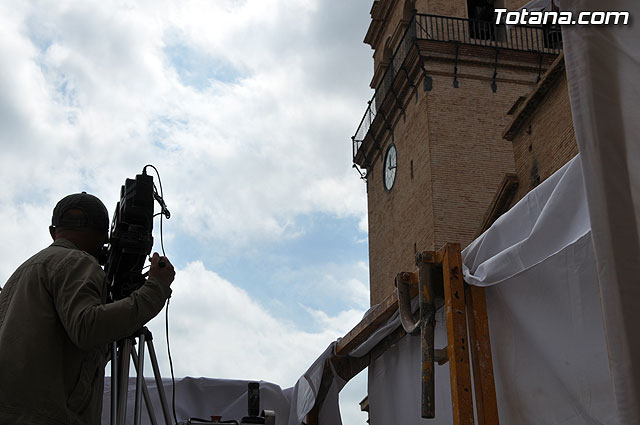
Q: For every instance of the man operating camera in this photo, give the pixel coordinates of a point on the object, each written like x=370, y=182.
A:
x=55, y=324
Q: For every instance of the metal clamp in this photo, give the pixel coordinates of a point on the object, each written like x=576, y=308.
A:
x=410, y=324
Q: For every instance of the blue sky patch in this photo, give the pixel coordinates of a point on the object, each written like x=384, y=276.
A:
x=288, y=275
x=197, y=69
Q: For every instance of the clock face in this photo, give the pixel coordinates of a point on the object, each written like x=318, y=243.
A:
x=390, y=167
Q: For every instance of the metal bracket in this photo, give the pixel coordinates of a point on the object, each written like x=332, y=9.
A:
x=410, y=324
x=410, y=81
x=426, y=294
x=441, y=355
x=539, y=68
x=363, y=176
x=455, y=69
x=400, y=105
x=494, y=86
x=384, y=118
x=426, y=279
x=427, y=82
x=376, y=143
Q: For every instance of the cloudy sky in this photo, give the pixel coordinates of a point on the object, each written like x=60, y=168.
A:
x=247, y=109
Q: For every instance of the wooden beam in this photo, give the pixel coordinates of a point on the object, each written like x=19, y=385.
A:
x=479, y=336
x=481, y=358
x=460, y=373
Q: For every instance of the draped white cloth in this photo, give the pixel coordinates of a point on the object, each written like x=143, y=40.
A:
x=206, y=397
x=542, y=224
x=603, y=63
x=547, y=335
x=203, y=398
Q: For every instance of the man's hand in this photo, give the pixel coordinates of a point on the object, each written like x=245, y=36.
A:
x=161, y=269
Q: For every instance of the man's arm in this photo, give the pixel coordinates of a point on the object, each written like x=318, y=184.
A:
x=79, y=295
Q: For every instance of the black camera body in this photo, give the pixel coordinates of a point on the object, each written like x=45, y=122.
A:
x=130, y=238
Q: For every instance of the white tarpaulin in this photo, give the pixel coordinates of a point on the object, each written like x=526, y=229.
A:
x=603, y=64
x=549, y=351
x=203, y=398
x=206, y=397
x=543, y=223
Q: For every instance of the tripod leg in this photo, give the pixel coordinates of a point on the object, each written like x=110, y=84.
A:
x=145, y=392
x=125, y=351
x=140, y=381
x=114, y=382
x=159, y=384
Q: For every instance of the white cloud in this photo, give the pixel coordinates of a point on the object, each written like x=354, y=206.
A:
x=19, y=234
x=219, y=330
x=89, y=94
x=249, y=132
x=345, y=282
x=339, y=324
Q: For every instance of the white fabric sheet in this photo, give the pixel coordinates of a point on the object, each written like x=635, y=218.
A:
x=206, y=397
x=544, y=222
x=203, y=398
x=603, y=63
x=549, y=352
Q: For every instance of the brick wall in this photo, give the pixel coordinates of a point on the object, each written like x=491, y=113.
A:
x=546, y=140
x=443, y=7
x=469, y=156
x=451, y=154
x=402, y=217
x=451, y=139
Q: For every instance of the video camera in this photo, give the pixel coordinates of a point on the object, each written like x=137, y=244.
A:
x=130, y=238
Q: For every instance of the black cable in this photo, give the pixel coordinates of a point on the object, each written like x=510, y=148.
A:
x=160, y=198
x=164, y=213
x=173, y=379
x=162, y=238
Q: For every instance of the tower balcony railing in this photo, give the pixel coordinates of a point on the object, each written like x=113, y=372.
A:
x=536, y=39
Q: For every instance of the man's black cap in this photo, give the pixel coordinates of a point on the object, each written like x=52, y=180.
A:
x=95, y=215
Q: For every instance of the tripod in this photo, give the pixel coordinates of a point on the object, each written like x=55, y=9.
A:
x=120, y=352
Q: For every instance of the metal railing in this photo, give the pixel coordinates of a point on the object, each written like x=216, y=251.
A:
x=474, y=32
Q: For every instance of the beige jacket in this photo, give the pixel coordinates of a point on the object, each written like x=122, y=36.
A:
x=54, y=332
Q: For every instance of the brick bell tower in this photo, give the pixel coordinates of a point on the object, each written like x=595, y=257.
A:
x=430, y=144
